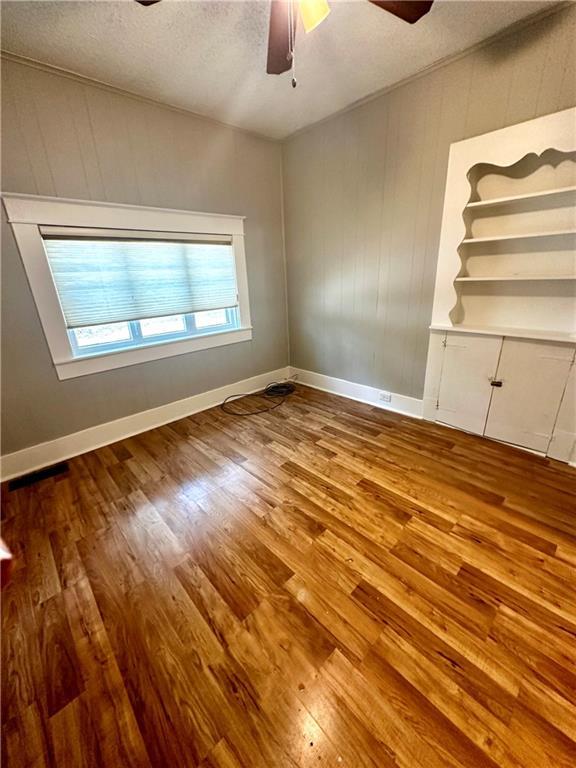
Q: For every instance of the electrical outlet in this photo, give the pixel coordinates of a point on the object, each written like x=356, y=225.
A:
x=385, y=397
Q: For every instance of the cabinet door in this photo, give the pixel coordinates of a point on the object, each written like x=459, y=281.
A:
x=533, y=375
x=470, y=362
x=563, y=443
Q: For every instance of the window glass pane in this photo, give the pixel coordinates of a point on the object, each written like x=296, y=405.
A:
x=140, y=333
x=160, y=325
x=211, y=318
x=102, y=334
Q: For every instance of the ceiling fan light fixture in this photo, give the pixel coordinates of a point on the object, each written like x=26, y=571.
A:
x=313, y=12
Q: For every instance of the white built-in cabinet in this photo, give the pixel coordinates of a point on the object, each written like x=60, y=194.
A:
x=503, y=332
x=509, y=389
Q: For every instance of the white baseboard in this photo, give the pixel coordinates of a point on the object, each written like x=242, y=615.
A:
x=44, y=454
x=408, y=406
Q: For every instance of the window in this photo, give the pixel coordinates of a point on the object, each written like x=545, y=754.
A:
x=92, y=339
x=165, y=283
x=121, y=291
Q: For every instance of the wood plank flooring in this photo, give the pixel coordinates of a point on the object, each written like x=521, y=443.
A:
x=327, y=584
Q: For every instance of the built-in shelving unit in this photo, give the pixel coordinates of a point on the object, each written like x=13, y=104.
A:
x=518, y=252
x=505, y=293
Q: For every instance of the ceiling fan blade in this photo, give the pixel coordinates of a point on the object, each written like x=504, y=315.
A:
x=146, y=3
x=409, y=10
x=279, y=38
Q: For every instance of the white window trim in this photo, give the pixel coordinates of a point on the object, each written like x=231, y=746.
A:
x=29, y=214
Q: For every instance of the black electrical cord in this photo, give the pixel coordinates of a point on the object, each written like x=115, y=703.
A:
x=278, y=389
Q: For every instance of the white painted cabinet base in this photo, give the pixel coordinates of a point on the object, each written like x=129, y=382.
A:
x=534, y=408
x=464, y=393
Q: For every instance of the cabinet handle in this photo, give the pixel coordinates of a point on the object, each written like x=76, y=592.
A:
x=495, y=383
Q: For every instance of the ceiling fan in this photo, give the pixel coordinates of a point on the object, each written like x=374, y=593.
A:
x=282, y=31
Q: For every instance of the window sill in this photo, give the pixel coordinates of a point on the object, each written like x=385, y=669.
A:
x=107, y=361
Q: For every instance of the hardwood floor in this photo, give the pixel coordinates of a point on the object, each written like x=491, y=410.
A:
x=328, y=584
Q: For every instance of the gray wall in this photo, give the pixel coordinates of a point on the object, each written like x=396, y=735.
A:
x=70, y=139
x=364, y=194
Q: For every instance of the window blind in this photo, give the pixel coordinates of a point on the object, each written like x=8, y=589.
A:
x=111, y=280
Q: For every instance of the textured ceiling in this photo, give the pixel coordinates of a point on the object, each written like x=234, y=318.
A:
x=210, y=57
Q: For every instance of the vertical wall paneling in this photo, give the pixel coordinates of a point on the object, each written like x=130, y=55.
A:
x=73, y=139
x=364, y=194
x=24, y=113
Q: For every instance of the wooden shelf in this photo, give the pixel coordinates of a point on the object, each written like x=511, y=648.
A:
x=547, y=194
x=512, y=278
x=519, y=333
x=527, y=236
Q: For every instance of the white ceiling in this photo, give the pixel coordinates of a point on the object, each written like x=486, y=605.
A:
x=210, y=57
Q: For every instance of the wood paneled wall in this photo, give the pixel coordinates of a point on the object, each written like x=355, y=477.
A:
x=364, y=194
x=72, y=139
